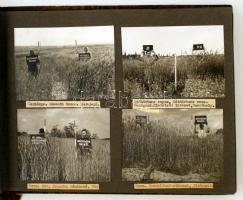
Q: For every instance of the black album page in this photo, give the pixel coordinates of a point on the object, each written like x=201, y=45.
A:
x=119, y=100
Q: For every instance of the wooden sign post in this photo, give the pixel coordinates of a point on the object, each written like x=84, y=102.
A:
x=200, y=125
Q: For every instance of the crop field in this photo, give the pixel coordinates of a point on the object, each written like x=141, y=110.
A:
x=170, y=152
x=56, y=161
x=63, y=77
x=197, y=76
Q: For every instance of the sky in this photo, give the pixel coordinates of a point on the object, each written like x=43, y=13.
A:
x=96, y=120
x=180, y=117
x=61, y=36
x=172, y=39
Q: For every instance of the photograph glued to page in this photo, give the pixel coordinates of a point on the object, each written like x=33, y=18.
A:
x=64, y=144
x=174, y=62
x=64, y=63
x=118, y=100
x=155, y=148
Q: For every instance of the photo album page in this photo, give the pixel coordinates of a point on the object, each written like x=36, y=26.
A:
x=121, y=100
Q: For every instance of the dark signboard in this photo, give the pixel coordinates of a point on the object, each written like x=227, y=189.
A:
x=32, y=59
x=84, y=56
x=37, y=139
x=148, y=48
x=141, y=119
x=84, y=143
x=197, y=47
x=200, y=119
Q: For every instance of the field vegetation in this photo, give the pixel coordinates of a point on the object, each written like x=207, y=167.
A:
x=172, y=152
x=197, y=76
x=63, y=76
x=58, y=161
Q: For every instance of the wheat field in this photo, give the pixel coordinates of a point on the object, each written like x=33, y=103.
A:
x=197, y=76
x=56, y=161
x=62, y=76
x=173, y=152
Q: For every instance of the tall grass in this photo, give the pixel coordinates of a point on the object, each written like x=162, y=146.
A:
x=142, y=79
x=91, y=80
x=57, y=161
x=171, y=149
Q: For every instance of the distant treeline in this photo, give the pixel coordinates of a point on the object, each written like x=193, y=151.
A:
x=65, y=132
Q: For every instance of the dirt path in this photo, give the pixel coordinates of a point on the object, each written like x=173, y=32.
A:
x=136, y=174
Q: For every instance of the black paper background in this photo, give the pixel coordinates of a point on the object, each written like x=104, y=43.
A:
x=119, y=17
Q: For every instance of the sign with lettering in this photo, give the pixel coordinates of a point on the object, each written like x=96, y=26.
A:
x=84, y=56
x=83, y=143
x=197, y=47
x=141, y=120
x=200, y=119
x=148, y=48
x=32, y=59
x=37, y=139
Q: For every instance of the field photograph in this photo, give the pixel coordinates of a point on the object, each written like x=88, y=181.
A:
x=173, y=62
x=172, y=145
x=64, y=144
x=64, y=63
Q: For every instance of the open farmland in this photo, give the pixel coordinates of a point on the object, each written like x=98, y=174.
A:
x=198, y=76
x=56, y=161
x=163, y=151
x=63, y=77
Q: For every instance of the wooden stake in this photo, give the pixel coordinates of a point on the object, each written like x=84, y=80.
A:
x=76, y=44
x=75, y=137
x=175, y=73
x=39, y=46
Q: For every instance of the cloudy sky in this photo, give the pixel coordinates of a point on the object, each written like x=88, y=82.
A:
x=96, y=120
x=174, y=39
x=180, y=117
x=61, y=36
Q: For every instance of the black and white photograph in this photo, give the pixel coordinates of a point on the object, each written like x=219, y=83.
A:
x=64, y=144
x=177, y=145
x=173, y=61
x=64, y=63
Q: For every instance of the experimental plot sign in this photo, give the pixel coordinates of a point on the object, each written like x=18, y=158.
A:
x=141, y=120
x=83, y=140
x=31, y=59
x=198, y=47
x=200, y=119
x=84, y=56
x=83, y=143
x=37, y=139
x=33, y=63
x=201, y=126
x=148, y=48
